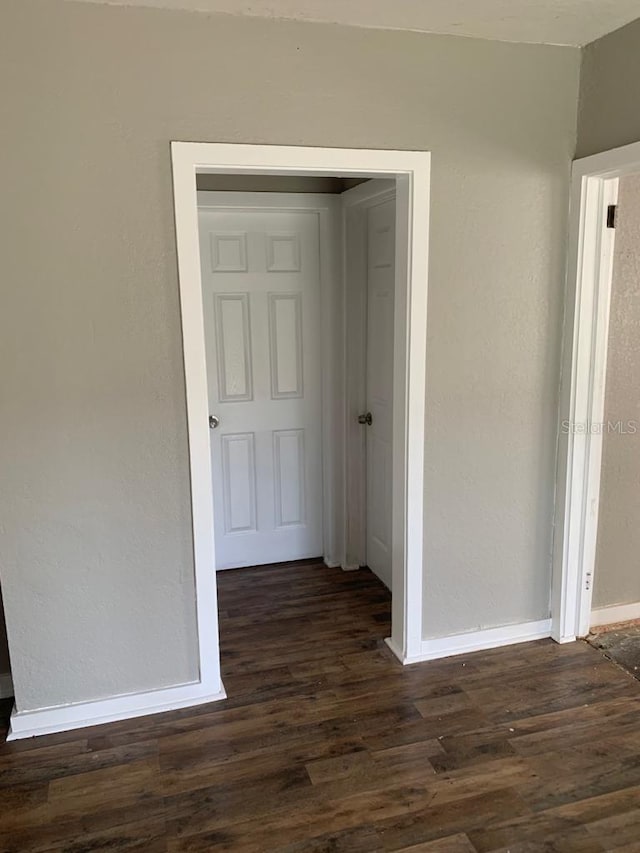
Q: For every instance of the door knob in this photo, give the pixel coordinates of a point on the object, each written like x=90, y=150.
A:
x=214, y=421
x=365, y=419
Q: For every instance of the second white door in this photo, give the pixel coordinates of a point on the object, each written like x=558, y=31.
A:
x=380, y=314
x=261, y=283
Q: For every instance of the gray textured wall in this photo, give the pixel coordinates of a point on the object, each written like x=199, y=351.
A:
x=609, y=114
x=617, y=572
x=97, y=571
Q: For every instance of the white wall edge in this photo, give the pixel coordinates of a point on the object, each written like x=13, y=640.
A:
x=67, y=717
x=616, y=613
x=475, y=641
x=6, y=685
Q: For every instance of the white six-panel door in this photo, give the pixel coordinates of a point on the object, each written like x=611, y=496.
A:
x=379, y=435
x=261, y=288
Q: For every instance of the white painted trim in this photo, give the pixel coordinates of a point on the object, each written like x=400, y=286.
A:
x=594, y=250
x=610, y=164
x=6, y=685
x=475, y=641
x=327, y=208
x=582, y=390
x=409, y=407
x=222, y=158
x=193, y=343
x=412, y=172
x=591, y=475
x=355, y=204
x=614, y=614
x=66, y=717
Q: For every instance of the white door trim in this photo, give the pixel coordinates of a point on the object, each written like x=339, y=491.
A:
x=588, y=296
x=327, y=208
x=411, y=169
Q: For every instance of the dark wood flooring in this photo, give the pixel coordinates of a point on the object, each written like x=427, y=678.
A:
x=327, y=744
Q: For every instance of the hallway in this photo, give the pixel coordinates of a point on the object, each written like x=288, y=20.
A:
x=327, y=744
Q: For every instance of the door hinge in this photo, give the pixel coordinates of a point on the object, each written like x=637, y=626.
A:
x=612, y=215
x=587, y=581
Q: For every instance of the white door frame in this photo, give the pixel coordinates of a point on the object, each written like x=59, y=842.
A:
x=327, y=208
x=411, y=170
x=582, y=390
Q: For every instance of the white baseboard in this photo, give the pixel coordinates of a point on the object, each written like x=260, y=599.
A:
x=617, y=613
x=571, y=638
x=475, y=641
x=63, y=718
x=6, y=686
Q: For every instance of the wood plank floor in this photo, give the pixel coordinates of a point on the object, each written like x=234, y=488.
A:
x=327, y=744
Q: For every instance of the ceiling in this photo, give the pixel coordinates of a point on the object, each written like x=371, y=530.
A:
x=566, y=22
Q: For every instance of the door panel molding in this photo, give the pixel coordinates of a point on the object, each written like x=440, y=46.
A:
x=287, y=374
x=236, y=350
x=239, y=482
x=286, y=514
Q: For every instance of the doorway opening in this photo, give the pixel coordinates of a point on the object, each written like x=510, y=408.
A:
x=286, y=250
x=595, y=575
